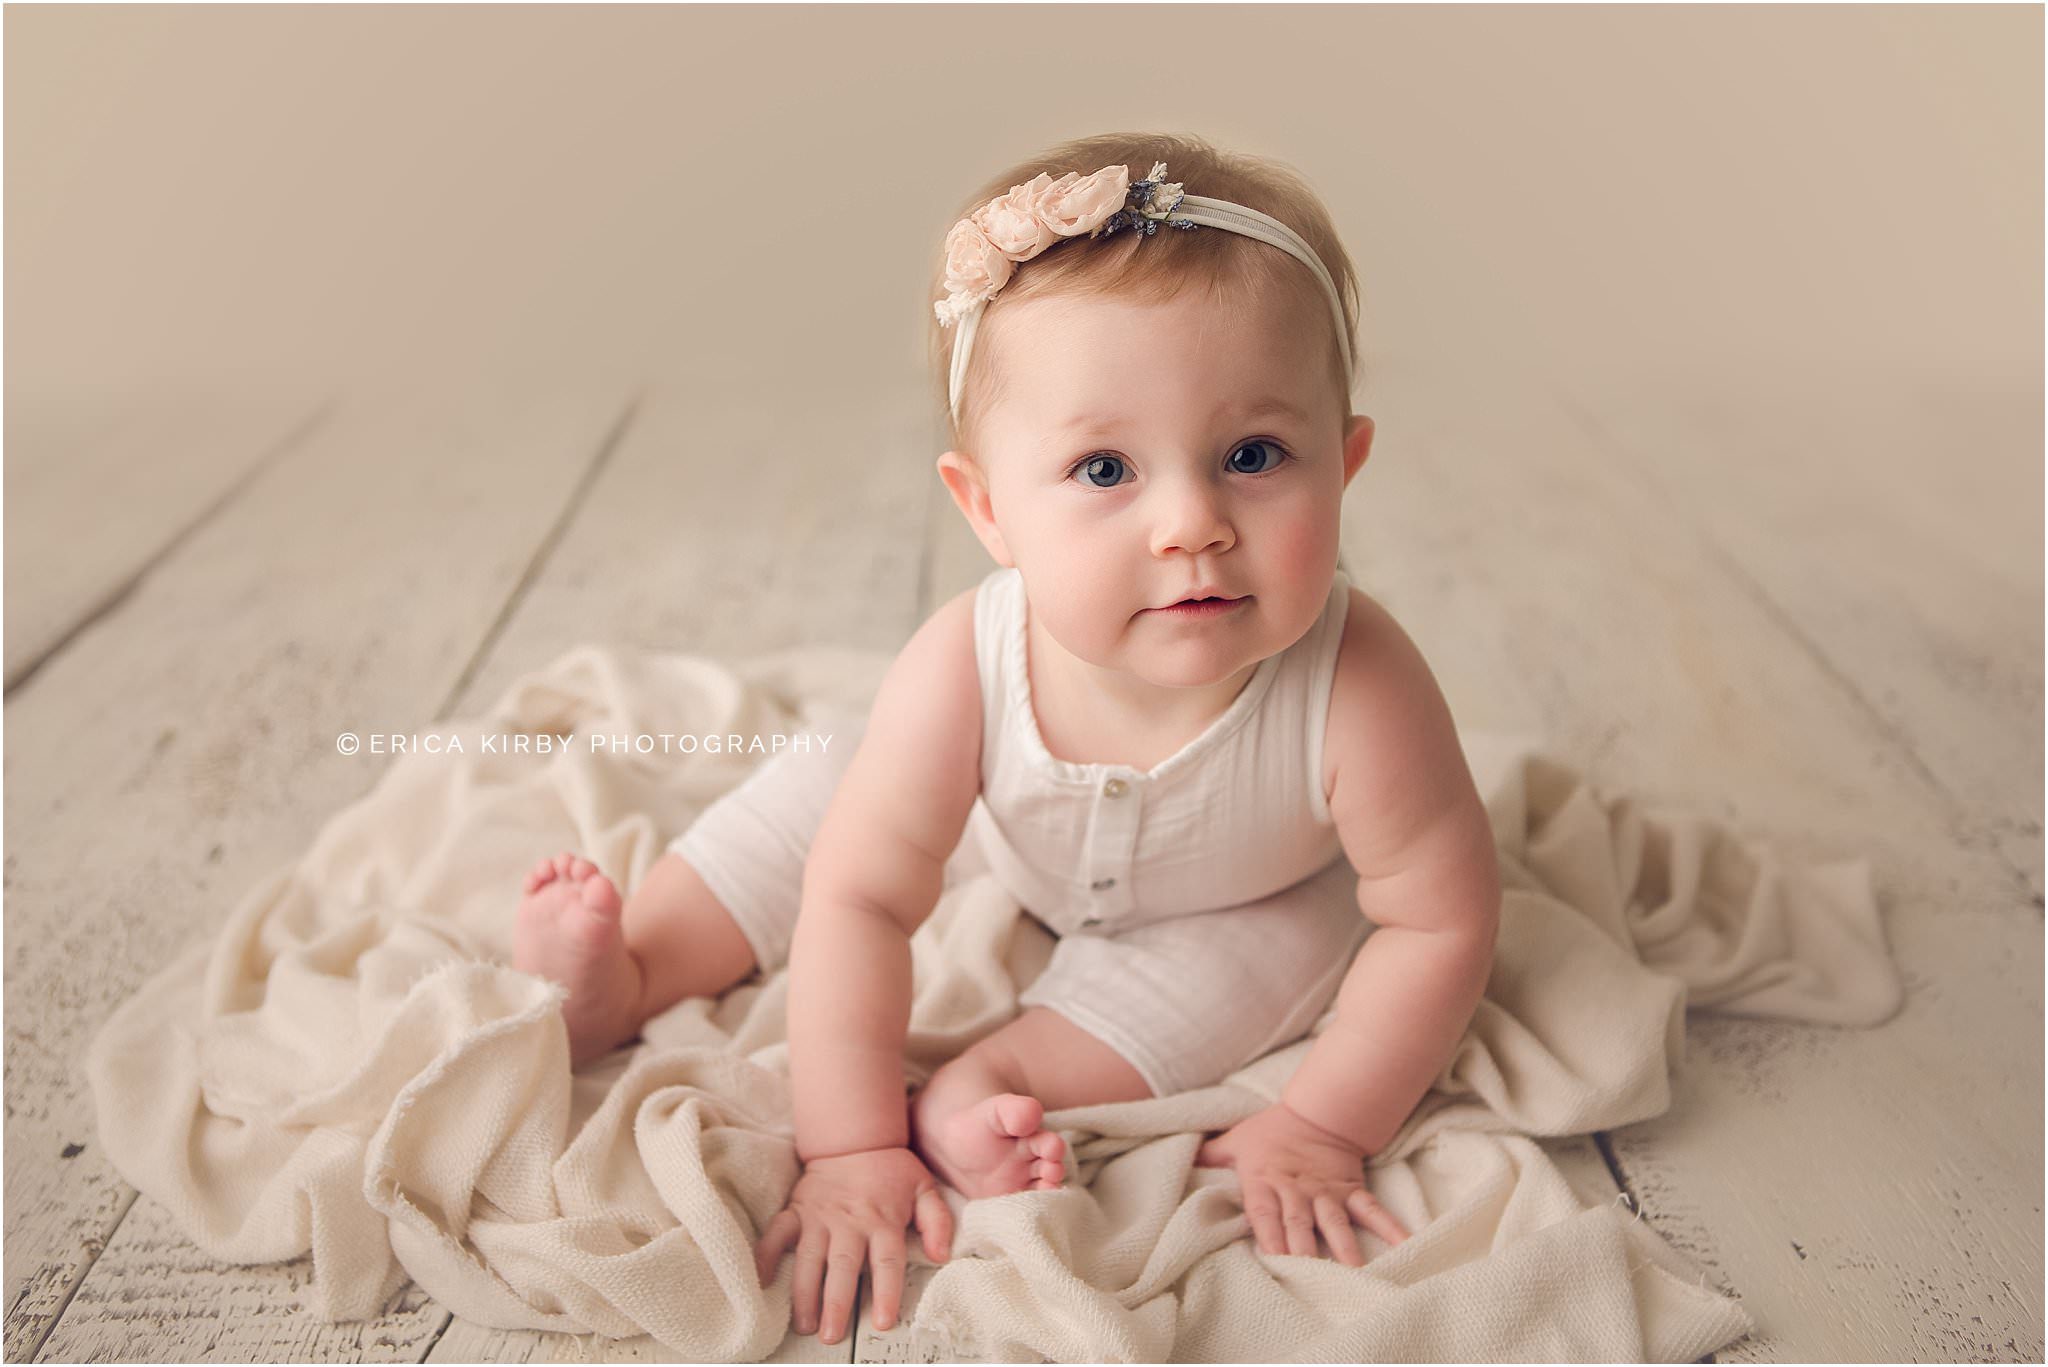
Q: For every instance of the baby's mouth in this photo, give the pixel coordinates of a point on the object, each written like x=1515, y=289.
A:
x=1212, y=603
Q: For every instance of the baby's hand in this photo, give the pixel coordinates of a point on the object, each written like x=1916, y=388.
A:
x=1296, y=1176
x=845, y=1210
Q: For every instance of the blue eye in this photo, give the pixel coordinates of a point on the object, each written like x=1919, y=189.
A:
x=1105, y=471
x=1101, y=472
x=1274, y=451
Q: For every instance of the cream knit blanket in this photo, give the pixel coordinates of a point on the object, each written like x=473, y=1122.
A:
x=351, y=1068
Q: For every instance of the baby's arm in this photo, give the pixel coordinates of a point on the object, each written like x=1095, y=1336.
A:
x=875, y=871
x=1415, y=828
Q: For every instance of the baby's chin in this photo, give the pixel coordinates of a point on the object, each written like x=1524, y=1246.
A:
x=1184, y=668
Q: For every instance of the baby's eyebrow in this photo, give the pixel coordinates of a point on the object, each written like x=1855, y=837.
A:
x=1268, y=407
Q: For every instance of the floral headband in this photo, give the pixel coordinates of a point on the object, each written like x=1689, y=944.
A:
x=983, y=249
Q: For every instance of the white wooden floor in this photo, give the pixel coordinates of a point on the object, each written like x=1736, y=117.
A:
x=1821, y=623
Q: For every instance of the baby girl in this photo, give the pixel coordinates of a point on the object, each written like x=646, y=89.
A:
x=1219, y=773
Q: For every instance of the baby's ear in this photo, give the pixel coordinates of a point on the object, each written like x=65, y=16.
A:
x=1358, y=430
x=968, y=485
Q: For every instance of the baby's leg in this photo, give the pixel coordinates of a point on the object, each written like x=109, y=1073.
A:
x=672, y=939
x=722, y=899
x=1158, y=1009
x=977, y=1122
x=687, y=942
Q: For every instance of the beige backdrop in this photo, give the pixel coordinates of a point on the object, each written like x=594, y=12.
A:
x=219, y=195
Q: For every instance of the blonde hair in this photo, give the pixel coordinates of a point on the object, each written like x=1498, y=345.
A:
x=1153, y=269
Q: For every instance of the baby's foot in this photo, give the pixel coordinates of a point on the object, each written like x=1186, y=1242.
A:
x=567, y=930
x=991, y=1148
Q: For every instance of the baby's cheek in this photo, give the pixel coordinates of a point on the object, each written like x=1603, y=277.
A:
x=1110, y=606
x=1081, y=606
x=1307, y=550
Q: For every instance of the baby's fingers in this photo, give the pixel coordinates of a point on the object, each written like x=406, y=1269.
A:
x=774, y=1242
x=1375, y=1216
x=842, y=1284
x=1336, y=1226
x=935, y=1223
x=810, y=1277
x=1298, y=1218
x=885, y=1274
x=1262, y=1208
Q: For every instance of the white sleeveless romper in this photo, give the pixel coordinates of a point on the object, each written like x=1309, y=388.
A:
x=1204, y=909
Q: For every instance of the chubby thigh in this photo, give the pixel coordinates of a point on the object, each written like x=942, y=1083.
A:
x=750, y=844
x=1191, y=999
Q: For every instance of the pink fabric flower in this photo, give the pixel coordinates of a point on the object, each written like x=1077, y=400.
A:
x=975, y=269
x=1080, y=205
x=1012, y=220
x=982, y=248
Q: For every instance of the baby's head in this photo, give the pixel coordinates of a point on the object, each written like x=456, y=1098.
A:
x=1148, y=416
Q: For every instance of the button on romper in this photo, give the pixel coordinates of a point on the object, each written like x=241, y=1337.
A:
x=1204, y=909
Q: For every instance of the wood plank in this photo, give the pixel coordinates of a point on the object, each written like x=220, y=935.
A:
x=1907, y=1230
x=1895, y=520
x=138, y=814
x=93, y=500
x=1552, y=587
x=904, y=1342
x=715, y=533
x=466, y=1342
x=1554, y=590
x=173, y=1303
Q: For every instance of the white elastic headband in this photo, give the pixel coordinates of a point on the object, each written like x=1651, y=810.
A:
x=984, y=247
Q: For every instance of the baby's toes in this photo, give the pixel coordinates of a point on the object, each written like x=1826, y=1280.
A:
x=590, y=918
x=1048, y=1144
x=1047, y=1174
x=1018, y=1115
x=541, y=875
x=565, y=864
x=582, y=868
x=600, y=898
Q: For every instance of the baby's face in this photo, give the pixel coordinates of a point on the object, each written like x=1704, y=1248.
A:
x=1139, y=454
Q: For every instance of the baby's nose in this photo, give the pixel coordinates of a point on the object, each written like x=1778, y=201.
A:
x=1192, y=521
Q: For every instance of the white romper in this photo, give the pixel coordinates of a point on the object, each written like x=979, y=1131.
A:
x=1204, y=908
